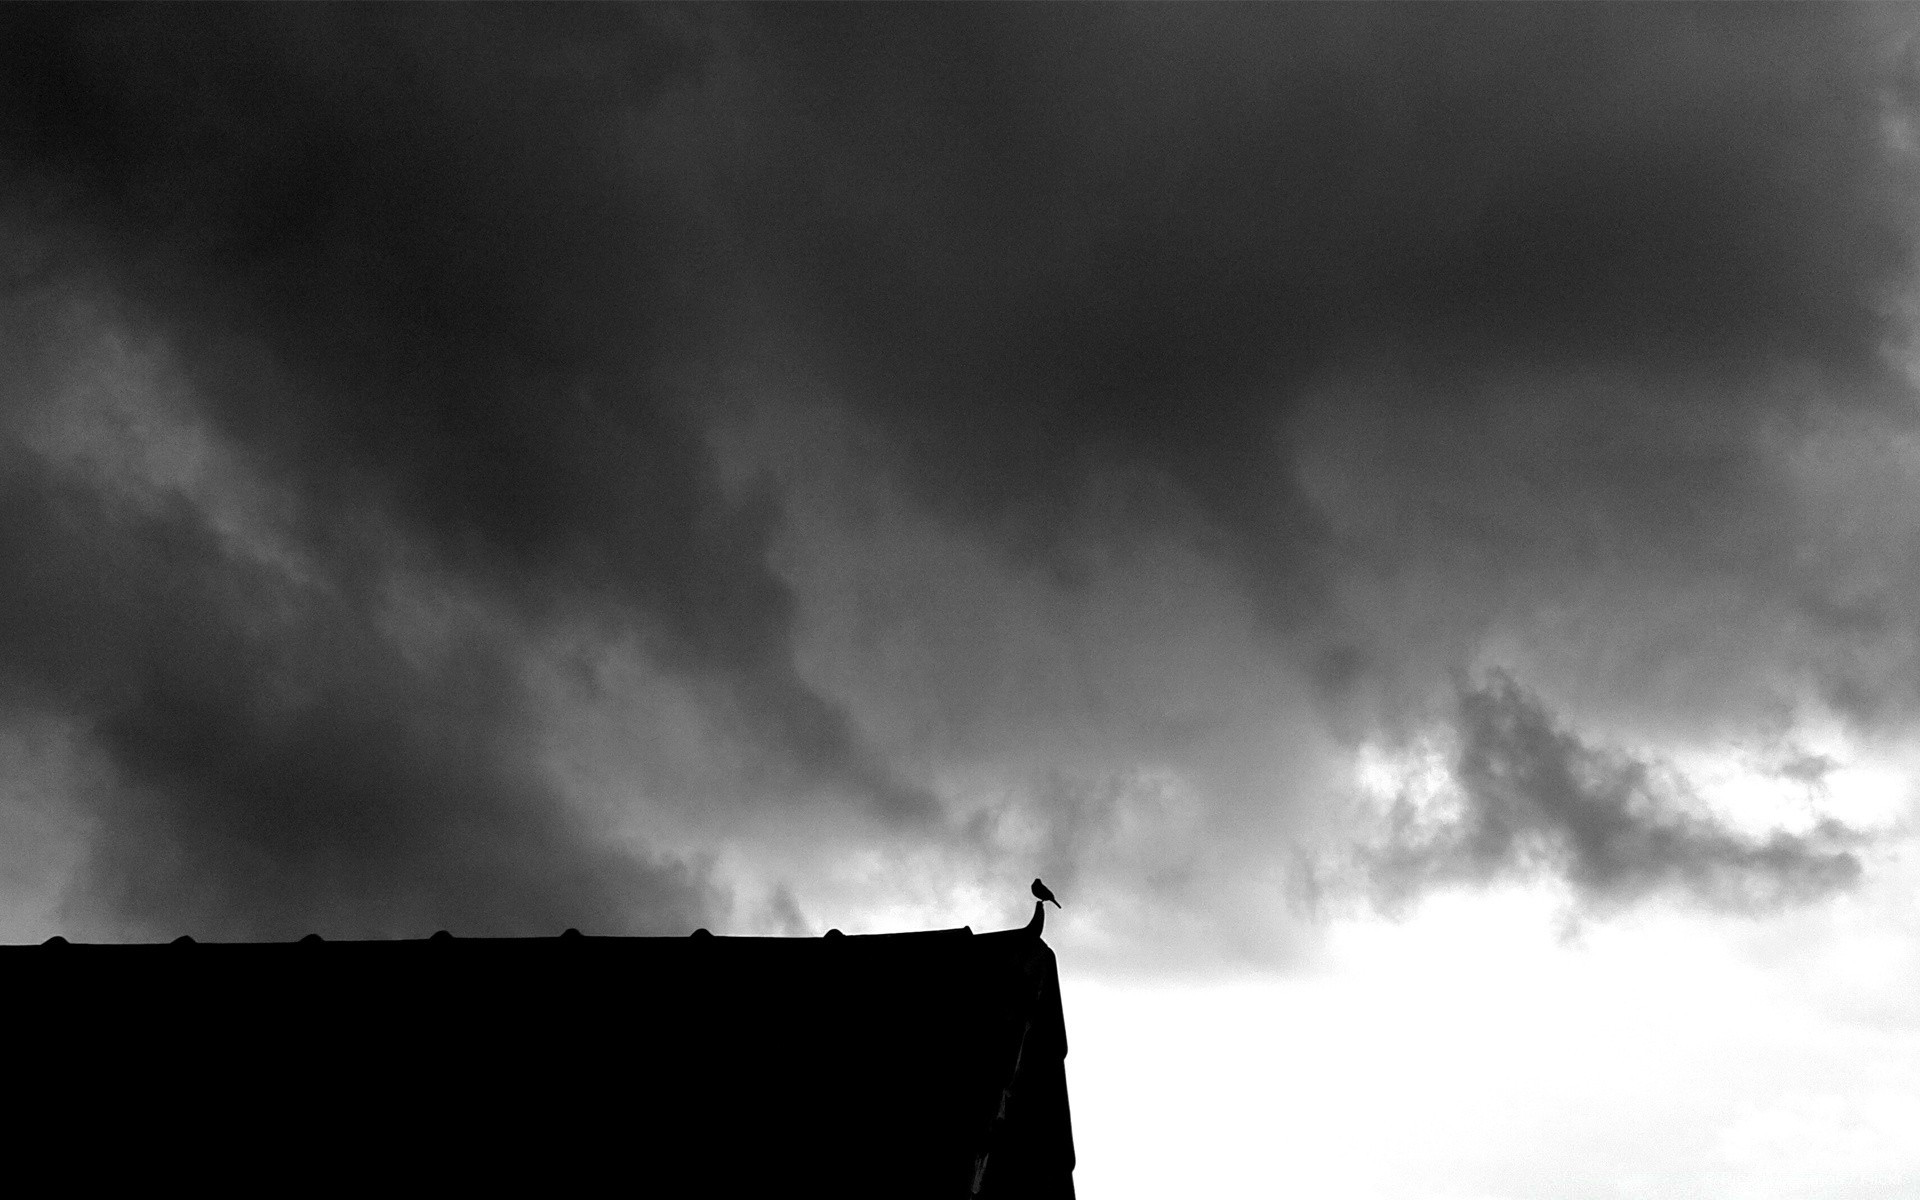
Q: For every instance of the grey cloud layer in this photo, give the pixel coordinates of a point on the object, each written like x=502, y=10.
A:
x=1444, y=325
x=281, y=765
x=1047, y=236
x=1351, y=297
x=413, y=263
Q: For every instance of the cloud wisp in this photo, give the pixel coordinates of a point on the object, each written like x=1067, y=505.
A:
x=1530, y=799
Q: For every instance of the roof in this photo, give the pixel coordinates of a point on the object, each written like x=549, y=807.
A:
x=910, y=1064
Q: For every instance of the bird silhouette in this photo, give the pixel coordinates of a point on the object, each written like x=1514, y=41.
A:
x=1041, y=893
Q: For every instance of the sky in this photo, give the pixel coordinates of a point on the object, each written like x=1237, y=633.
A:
x=1406, y=517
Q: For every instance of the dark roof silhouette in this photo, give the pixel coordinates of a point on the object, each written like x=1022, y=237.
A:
x=902, y=1065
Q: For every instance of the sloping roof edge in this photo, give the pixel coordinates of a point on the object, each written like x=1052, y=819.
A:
x=426, y=1030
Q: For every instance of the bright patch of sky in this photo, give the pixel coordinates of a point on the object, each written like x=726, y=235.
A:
x=1482, y=1049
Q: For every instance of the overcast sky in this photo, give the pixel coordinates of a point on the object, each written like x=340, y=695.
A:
x=1408, y=518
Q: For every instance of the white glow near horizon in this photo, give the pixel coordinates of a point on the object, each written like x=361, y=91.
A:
x=1480, y=1049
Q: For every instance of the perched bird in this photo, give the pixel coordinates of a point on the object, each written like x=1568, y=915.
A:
x=1041, y=893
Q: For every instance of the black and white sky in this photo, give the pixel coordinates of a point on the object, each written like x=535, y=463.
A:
x=501, y=468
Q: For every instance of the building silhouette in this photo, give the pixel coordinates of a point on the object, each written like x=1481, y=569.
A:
x=900, y=1065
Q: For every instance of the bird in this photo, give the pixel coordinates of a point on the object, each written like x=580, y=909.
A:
x=1041, y=893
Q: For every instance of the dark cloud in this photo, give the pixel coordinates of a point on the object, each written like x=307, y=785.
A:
x=1534, y=799
x=281, y=763
x=1443, y=327
x=421, y=267
x=424, y=261
x=1036, y=239
x=1418, y=321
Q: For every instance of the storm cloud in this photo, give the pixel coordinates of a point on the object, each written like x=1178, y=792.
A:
x=1048, y=430
x=413, y=264
x=1039, y=240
